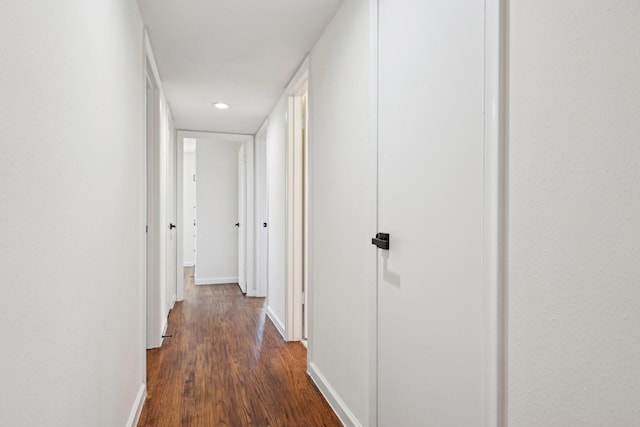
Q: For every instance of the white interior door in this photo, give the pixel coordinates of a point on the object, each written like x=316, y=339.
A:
x=430, y=312
x=172, y=217
x=262, y=215
x=242, y=223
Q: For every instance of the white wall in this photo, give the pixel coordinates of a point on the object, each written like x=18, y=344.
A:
x=72, y=208
x=574, y=214
x=217, y=201
x=277, y=169
x=342, y=157
x=189, y=203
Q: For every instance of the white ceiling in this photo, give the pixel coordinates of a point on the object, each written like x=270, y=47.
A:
x=242, y=52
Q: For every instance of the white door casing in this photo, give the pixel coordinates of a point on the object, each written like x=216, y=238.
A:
x=157, y=118
x=296, y=215
x=247, y=141
x=295, y=221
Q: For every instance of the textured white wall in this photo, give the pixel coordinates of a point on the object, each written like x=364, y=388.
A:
x=342, y=158
x=217, y=201
x=71, y=206
x=574, y=214
x=277, y=170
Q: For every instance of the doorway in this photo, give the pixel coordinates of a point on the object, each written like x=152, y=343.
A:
x=216, y=207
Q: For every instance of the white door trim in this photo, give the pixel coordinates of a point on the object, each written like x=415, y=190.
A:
x=295, y=206
x=494, y=208
x=152, y=134
x=185, y=133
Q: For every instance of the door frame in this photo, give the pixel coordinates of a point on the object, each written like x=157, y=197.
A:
x=154, y=270
x=494, y=280
x=495, y=220
x=297, y=216
x=248, y=141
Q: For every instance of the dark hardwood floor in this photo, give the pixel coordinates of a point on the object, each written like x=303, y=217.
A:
x=226, y=365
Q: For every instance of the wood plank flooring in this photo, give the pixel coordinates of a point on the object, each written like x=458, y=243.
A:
x=226, y=365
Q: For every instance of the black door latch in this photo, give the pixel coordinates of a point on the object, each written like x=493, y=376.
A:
x=381, y=241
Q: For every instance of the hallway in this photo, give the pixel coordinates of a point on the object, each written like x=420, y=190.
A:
x=226, y=365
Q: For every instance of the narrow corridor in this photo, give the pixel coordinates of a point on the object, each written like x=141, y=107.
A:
x=226, y=365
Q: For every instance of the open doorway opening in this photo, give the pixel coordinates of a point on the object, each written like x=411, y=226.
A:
x=217, y=208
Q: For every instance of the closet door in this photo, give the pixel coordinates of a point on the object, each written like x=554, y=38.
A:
x=242, y=218
x=431, y=183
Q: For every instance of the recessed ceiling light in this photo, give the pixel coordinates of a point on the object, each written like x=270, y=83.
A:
x=220, y=105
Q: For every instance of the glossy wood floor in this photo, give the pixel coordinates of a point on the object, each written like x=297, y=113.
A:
x=226, y=365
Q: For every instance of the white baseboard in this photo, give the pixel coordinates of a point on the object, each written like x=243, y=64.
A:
x=334, y=400
x=216, y=281
x=136, y=409
x=276, y=322
x=189, y=264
